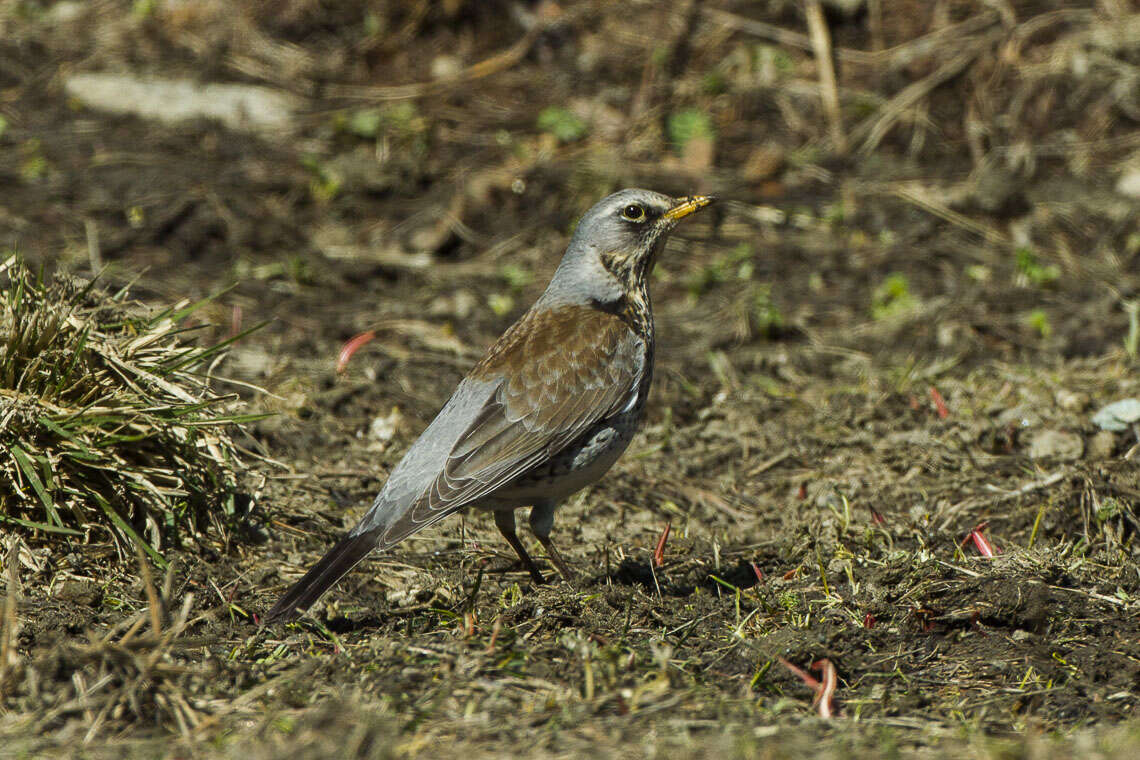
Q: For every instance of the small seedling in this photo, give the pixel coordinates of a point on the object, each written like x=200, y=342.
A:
x=1038, y=320
x=325, y=183
x=515, y=276
x=500, y=303
x=563, y=124
x=686, y=125
x=1033, y=270
x=892, y=297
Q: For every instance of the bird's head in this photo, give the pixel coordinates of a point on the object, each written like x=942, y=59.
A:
x=617, y=241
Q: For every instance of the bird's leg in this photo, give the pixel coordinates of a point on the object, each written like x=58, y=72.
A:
x=541, y=522
x=505, y=522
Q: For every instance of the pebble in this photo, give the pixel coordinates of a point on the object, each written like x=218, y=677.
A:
x=1102, y=445
x=1056, y=444
x=1071, y=401
x=238, y=106
x=1118, y=416
x=1129, y=184
x=1019, y=417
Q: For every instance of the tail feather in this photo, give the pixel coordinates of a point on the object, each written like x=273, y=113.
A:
x=339, y=560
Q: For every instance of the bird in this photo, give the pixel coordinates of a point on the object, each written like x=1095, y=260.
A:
x=547, y=410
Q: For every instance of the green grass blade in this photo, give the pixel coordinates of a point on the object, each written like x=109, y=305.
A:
x=40, y=526
x=127, y=530
x=181, y=314
x=26, y=467
x=229, y=419
x=204, y=354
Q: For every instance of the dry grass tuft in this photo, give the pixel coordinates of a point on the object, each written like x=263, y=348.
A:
x=106, y=426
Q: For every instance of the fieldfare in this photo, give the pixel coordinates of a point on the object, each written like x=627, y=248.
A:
x=548, y=409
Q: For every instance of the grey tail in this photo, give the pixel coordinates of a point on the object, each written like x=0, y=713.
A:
x=339, y=560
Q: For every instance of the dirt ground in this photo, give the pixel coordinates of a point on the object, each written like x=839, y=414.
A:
x=895, y=328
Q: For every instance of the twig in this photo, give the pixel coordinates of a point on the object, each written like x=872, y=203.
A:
x=781, y=36
x=898, y=55
x=94, y=252
x=875, y=22
x=769, y=463
x=488, y=66
x=151, y=594
x=11, y=597
x=918, y=195
x=1030, y=487
x=939, y=403
x=829, y=92
x=659, y=552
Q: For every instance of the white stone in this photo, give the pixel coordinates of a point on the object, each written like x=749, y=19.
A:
x=1129, y=184
x=237, y=106
x=1118, y=415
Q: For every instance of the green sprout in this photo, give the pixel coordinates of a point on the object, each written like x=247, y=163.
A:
x=892, y=297
x=1039, y=321
x=1037, y=274
x=561, y=123
x=686, y=125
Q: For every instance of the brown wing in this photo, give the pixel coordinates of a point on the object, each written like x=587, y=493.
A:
x=557, y=372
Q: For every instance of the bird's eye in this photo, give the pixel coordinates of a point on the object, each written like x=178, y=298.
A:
x=633, y=213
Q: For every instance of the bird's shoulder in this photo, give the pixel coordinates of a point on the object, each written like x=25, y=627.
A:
x=559, y=341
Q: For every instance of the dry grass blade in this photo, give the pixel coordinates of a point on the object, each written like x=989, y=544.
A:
x=9, y=621
x=821, y=45
x=872, y=132
x=492, y=65
x=151, y=593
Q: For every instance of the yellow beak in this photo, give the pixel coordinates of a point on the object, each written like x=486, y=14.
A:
x=688, y=205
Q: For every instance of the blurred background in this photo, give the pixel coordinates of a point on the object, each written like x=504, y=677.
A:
x=976, y=159
x=920, y=284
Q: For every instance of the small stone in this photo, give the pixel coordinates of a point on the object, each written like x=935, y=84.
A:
x=604, y=121
x=1129, y=184
x=1021, y=635
x=1102, y=445
x=173, y=101
x=384, y=428
x=77, y=591
x=999, y=191
x=446, y=67
x=1019, y=418
x=1118, y=415
x=1056, y=444
x=1071, y=401
x=68, y=10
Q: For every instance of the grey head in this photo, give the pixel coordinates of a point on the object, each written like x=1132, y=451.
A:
x=615, y=246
